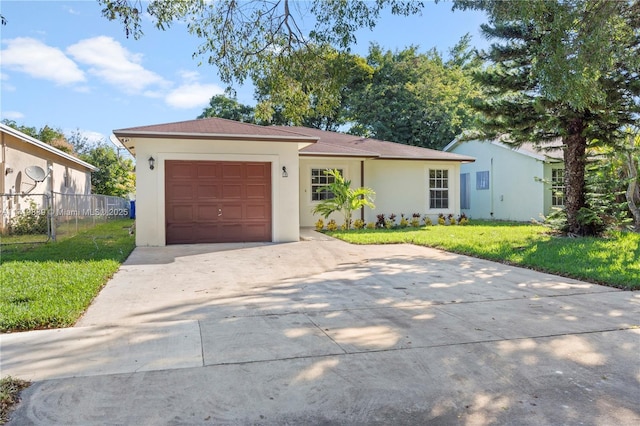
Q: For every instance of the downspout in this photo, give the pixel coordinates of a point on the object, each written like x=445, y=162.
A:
x=362, y=186
x=491, y=188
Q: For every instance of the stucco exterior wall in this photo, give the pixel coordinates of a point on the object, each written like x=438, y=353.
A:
x=65, y=177
x=401, y=186
x=516, y=187
x=150, y=213
x=19, y=155
x=351, y=171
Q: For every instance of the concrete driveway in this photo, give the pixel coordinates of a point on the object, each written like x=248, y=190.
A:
x=322, y=332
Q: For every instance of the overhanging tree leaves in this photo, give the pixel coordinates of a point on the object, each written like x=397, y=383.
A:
x=309, y=87
x=561, y=69
x=416, y=98
x=238, y=36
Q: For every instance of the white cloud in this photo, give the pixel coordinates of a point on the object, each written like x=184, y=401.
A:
x=91, y=136
x=115, y=64
x=38, y=60
x=192, y=95
x=12, y=115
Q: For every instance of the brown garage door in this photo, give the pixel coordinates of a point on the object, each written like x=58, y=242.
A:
x=216, y=202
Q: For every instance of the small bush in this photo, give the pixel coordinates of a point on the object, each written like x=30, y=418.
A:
x=371, y=225
x=358, y=223
x=441, y=219
x=404, y=222
x=32, y=221
x=463, y=220
x=452, y=219
x=319, y=225
x=381, y=221
x=427, y=221
x=332, y=226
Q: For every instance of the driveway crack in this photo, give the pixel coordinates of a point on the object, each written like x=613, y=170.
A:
x=325, y=333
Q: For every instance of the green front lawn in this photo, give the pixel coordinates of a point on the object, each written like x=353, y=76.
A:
x=613, y=261
x=50, y=285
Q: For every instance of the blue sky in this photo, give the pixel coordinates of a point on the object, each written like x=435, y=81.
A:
x=62, y=64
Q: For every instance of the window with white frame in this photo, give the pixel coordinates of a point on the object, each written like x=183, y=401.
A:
x=438, y=189
x=557, y=187
x=482, y=180
x=318, y=180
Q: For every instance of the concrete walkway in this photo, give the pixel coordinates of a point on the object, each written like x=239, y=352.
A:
x=322, y=332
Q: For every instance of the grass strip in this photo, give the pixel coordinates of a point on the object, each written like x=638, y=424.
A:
x=613, y=260
x=50, y=285
x=10, y=389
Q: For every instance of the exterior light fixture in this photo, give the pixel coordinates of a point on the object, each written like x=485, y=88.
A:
x=284, y=172
x=152, y=163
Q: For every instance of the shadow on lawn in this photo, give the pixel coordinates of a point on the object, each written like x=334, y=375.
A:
x=111, y=241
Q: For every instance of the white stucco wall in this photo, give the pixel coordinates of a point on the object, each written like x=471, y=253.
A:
x=17, y=155
x=401, y=186
x=516, y=188
x=150, y=213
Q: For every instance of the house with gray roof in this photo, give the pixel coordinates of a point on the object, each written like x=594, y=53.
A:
x=507, y=183
x=218, y=180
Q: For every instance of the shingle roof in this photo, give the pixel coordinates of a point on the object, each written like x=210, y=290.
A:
x=319, y=142
x=213, y=128
x=33, y=141
x=341, y=144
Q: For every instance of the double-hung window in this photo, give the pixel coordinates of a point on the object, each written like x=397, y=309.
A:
x=318, y=180
x=557, y=187
x=438, y=189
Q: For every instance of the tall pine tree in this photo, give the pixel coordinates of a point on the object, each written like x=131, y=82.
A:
x=565, y=70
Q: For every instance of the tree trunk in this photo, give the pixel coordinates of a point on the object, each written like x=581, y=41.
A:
x=633, y=189
x=574, y=167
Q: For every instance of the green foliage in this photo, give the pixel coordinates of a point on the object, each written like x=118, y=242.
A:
x=50, y=285
x=115, y=176
x=238, y=37
x=46, y=134
x=332, y=225
x=561, y=70
x=319, y=224
x=613, y=261
x=309, y=87
x=358, y=224
x=229, y=108
x=415, y=98
x=31, y=221
x=344, y=198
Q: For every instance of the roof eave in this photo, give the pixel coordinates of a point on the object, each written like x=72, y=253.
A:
x=26, y=138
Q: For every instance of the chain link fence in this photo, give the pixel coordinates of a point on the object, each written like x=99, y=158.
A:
x=30, y=218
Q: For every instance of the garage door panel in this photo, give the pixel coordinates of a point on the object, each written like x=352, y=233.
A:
x=180, y=170
x=232, y=191
x=207, y=212
x=232, y=171
x=208, y=191
x=232, y=212
x=208, y=170
x=257, y=211
x=196, y=192
x=258, y=171
x=182, y=213
x=181, y=191
x=259, y=190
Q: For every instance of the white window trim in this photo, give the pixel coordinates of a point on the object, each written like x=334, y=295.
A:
x=449, y=188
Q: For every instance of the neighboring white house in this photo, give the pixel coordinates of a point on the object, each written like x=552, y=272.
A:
x=64, y=173
x=217, y=180
x=507, y=183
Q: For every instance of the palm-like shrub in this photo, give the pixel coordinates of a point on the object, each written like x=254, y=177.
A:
x=344, y=198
